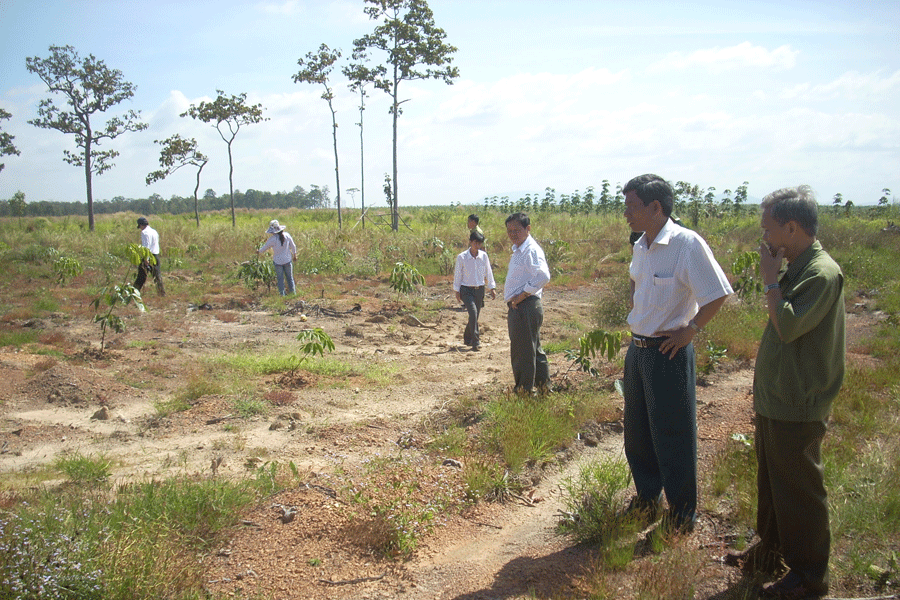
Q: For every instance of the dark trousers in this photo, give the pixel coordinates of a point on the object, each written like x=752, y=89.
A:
x=661, y=427
x=529, y=363
x=473, y=299
x=792, y=516
x=143, y=270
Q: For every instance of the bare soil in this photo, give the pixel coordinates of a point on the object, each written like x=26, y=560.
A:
x=104, y=402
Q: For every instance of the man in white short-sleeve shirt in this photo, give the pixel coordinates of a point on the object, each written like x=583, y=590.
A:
x=677, y=287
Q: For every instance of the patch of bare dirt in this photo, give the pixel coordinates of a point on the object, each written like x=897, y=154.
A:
x=306, y=542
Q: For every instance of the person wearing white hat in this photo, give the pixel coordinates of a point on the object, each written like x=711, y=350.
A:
x=284, y=252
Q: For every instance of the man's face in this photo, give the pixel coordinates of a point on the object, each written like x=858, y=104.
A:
x=516, y=233
x=774, y=235
x=475, y=246
x=639, y=217
x=472, y=223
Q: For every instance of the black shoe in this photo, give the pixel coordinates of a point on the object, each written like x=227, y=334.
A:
x=793, y=587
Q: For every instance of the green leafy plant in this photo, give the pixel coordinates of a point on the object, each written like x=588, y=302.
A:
x=114, y=297
x=404, y=278
x=66, y=269
x=598, y=341
x=314, y=341
x=715, y=354
x=748, y=284
x=255, y=272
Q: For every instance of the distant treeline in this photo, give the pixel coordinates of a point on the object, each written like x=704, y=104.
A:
x=315, y=197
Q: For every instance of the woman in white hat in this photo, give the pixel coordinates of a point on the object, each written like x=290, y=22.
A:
x=284, y=253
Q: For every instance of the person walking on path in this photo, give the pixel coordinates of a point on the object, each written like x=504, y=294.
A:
x=150, y=241
x=677, y=287
x=472, y=272
x=526, y=277
x=799, y=372
x=284, y=253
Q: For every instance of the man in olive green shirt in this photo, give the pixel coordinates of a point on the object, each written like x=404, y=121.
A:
x=799, y=371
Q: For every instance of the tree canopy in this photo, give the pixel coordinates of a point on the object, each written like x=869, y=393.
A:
x=179, y=152
x=88, y=87
x=415, y=49
x=227, y=114
x=6, y=140
x=316, y=68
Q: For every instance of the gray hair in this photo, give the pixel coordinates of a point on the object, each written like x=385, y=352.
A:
x=794, y=204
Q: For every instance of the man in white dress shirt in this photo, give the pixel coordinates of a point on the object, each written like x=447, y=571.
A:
x=150, y=241
x=472, y=271
x=526, y=277
x=677, y=287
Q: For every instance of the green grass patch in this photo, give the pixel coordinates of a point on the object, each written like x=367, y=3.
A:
x=18, y=338
x=81, y=469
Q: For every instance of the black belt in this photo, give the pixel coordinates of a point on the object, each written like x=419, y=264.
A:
x=472, y=287
x=642, y=341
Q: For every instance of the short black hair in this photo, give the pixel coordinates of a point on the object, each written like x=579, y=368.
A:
x=474, y=217
x=650, y=188
x=519, y=217
x=476, y=237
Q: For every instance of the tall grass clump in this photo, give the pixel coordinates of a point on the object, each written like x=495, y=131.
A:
x=593, y=501
x=527, y=430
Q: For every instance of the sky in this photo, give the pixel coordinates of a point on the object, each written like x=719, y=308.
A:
x=561, y=95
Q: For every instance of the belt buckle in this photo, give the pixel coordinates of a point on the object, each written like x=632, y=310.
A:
x=638, y=342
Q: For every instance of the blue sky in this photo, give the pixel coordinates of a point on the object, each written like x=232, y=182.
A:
x=557, y=94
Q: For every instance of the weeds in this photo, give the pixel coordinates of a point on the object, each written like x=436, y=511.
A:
x=593, y=503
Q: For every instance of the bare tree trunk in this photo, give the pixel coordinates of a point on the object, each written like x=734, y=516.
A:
x=362, y=158
x=395, y=209
x=196, y=201
x=87, y=178
x=337, y=174
x=231, y=185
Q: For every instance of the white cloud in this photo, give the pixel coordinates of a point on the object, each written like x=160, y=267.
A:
x=718, y=59
x=851, y=85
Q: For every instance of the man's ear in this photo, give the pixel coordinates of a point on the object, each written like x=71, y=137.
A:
x=792, y=228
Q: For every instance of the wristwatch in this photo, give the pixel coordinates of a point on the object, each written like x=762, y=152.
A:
x=694, y=326
x=772, y=286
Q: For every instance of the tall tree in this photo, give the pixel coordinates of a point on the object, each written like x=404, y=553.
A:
x=415, y=50
x=359, y=76
x=227, y=114
x=316, y=68
x=89, y=87
x=179, y=152
x=6, y=140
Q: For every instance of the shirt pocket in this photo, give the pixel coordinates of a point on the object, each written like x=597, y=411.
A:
x=663, y=288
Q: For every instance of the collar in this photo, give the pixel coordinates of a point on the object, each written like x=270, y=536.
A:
x=524, y=244
x=801, y=261
x=665, y=234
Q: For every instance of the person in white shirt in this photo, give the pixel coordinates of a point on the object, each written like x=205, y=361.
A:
x=150, y=241
x=284, y=252
x=526, y=277
x=473, y=269
x=676, y=288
